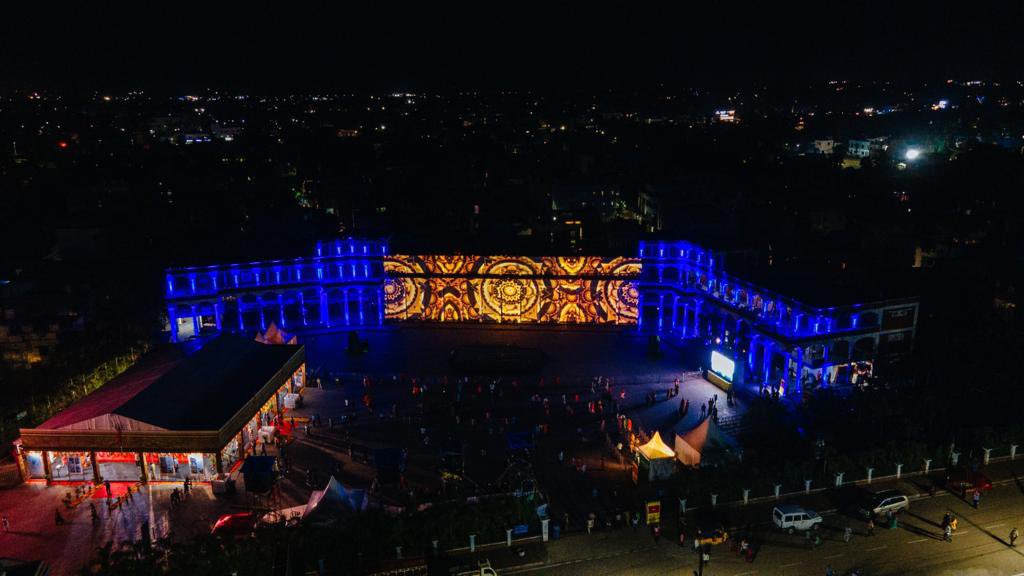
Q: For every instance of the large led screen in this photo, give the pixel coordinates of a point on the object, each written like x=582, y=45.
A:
x=459, y=288
x=722, y=365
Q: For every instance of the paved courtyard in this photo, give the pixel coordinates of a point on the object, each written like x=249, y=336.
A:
x=417, y=403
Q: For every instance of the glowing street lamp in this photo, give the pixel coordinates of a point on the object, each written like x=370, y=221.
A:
x=912, y=154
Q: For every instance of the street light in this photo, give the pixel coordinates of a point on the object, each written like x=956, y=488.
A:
x=912, y=154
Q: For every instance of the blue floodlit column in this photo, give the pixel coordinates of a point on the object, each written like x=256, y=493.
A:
x=785, y=371
x=675, y=311
x=767, y=350
x=195, y=321
x=380, y=306
x=217, y=306
x=345, y=294
x=686, y=318
x=241, y=315
x=799, y=368
x=360, y=293
x=302, y=307
x=172, y=319
x=325, y=313
x=661, y=311
x=696, y=319
x=263, y=318
x=640, y=311
x=280, y=307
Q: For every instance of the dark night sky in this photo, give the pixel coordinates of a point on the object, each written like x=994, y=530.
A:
x=387, y=45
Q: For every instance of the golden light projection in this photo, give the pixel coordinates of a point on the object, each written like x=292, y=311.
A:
x=550, y=289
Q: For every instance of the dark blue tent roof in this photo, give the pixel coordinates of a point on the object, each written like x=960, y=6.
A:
x=207, y=388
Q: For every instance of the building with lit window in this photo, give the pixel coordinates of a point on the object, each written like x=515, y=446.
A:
x=677, y=289
x=181, y=411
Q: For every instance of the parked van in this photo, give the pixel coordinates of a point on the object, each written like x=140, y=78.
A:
x=791, y=518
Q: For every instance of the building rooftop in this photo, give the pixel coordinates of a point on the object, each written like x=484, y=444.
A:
x=171, y=389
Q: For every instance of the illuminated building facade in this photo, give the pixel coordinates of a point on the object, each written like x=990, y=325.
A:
x=676, y=289
x=684, y=292
x=340, y=285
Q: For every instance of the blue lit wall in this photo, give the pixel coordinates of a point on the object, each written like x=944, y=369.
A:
x=339, y=285
x=685, y=293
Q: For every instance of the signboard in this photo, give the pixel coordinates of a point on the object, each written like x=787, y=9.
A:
x=654, y=512
x=898, y=318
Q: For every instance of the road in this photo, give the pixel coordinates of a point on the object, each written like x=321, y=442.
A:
x=980, y=547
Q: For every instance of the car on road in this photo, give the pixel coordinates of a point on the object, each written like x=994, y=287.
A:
x=711, y=537
x=238, y=525
x=964, y=481
x=884, y=502
x=791, y=518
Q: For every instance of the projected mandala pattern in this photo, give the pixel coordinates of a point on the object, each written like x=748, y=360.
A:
x=511, y=289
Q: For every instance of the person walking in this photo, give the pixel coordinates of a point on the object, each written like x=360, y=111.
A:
x=976, y=499
x=1013, y=534
x=871, y=527
x=949, y=533
x=847, y=534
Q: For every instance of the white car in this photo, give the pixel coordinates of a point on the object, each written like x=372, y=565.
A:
x=884, y=502
x=792, y=518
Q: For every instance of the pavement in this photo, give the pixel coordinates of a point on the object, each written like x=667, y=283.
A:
x=980, y=547
x=34, y=534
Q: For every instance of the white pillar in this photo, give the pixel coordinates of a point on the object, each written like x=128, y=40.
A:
x=714, y=500
x=682, y=505
x=1013, y=451
x=398, y=552
x=778, y=490
x=746, y=495
x=899, y=470
x=544, y=528
x=988, y=455
x=508, y=537
x=871, y=472
x=472, y=542
x=807, y=486
x=927, y=465
x=839, y=479
x=954, y=458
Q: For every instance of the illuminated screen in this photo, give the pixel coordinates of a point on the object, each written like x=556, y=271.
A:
x=570, y=290
x=722, y=365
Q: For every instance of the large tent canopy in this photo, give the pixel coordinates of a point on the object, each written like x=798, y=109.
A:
x=327, y=505
x=705, y=445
